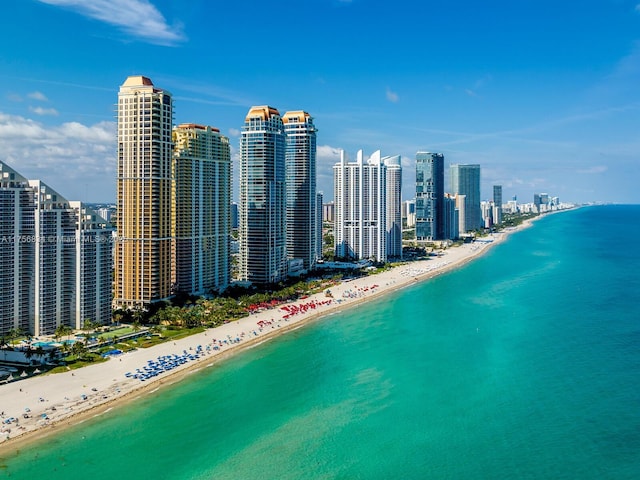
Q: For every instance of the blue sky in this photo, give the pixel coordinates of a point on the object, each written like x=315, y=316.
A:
x=544, y=95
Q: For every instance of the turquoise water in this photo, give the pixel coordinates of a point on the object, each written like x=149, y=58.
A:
x=524, y=364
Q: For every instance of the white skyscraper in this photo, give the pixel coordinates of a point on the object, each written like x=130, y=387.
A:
x=17, y=257
x=360, y=192
x=394, y=205
x=94, y=266
x=56, y=259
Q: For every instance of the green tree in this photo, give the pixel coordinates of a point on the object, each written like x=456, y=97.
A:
x=63, y=331
x=14, y=334
x=80, y=350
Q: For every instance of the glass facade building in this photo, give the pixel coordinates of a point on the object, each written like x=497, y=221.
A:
x=430, y=218
x=262, y=206
x=300, y=161
x=465, y=180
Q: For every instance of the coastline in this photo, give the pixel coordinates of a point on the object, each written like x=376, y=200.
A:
x=96, y=389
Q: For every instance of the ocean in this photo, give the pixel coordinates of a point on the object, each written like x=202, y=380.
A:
x=523, y=364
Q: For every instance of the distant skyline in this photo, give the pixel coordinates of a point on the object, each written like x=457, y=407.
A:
x=543, y=95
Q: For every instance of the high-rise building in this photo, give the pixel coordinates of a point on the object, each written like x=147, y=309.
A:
x=487, y=209
x=202, y=172
x=461, y=207
x=409, y=212
x=451, y=219
x=465, y=180
x=144, y=194
x=94, y=266
x=394, y=205
x=55, y=265
x=300, y=161
x=319, y=239
x=497, y=203
x=328, y=212
x=429, y=196
x=55, y=258
x=262, y=208
x=234, y=215
x=105, y=213
x=360, y=208
x=17, y=257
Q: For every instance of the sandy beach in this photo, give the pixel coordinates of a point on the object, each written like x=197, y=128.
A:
x=53, y=402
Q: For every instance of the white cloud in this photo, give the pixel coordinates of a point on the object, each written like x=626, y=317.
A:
x=327, y=154
x=38, y=96
x=136, y=17
x=392, y=96
x=234, y=132
x=76, y=160
x=594, y=170
x=44, y=111
x=326, y=157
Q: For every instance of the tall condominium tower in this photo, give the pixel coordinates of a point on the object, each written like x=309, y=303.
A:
x=429, y=196
x=451, y=217
x=56, y=259
x=465, y=180
x=202, y=166
x=55, y=265
x=262, y=208
x=497, y=203
x=360, y=192
x=394, y=205
x=144, y=194
x=319, y=239
x=94, y=266
x=17, y=257
x=300, y=161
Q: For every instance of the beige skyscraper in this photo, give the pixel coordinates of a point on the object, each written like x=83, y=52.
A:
x=144, y=184
x=202, y=209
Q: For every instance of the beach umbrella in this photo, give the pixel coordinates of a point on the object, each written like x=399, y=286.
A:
x=36, y=371
x=23, y=374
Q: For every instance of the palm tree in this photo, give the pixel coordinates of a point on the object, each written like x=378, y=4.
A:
x=14, y=334
x=39, y=351
x=63, y=331
x=89, y=324
x=80, y=350
x=28, y=353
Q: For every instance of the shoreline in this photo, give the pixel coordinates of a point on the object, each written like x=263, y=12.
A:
x=58, y=401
